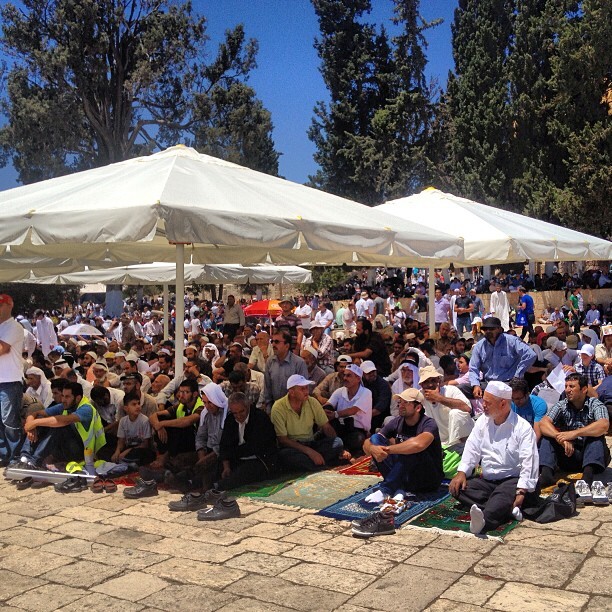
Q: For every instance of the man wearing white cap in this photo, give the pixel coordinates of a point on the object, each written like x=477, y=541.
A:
x=323, y=391
x=505, y=446
x=589, y=367
x=293, y=417
x=39, y=387
x=349, y=409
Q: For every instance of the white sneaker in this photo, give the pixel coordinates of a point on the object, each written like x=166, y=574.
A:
x=583, y=493
x=600, y=495
x=477, y=520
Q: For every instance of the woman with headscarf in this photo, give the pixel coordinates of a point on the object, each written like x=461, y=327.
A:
x=39, y=387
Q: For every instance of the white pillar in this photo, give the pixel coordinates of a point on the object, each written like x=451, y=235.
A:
x=531, y=269
x=179, y=327
x=431, y=307
x=258, y=292
x=486, y=273
x=166, y=312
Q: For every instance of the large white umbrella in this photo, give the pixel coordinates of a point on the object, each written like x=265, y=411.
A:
x=135, y=211
x=493, y=235
x=80, y=329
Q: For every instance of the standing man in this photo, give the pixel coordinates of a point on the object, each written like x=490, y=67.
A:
x=577, y=308
x=325, y=317
x=505, y=446
x=463, y=309
x=499, y=306
x=442, y=309
x=526, y=305
x=233, y=318
x=11, y=374
x=478, y=305
x=45, y=333
x=303, y=312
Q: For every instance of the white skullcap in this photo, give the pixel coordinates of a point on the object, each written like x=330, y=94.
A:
x=35, y=371
x=499, y=389
x=215, y=395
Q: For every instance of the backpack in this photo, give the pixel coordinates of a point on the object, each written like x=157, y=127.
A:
x=559, y=505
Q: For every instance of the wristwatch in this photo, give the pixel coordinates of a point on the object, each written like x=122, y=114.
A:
x=521, y=492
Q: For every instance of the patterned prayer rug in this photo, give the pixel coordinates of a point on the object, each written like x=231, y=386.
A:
x=267, y=487
x=360, y=468
x=354, y=506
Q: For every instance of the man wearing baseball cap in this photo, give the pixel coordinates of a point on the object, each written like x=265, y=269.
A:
x=294, y=417
x=588, y=367
x=505, y=446
x=11, y=374
x=323, y=391
x=407, y=450
x=498, y=356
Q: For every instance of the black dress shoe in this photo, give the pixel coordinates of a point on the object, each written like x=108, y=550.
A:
x=223, y=509
x=189, y=502
x=76, y=484
x=142, y=488
x=24, y=483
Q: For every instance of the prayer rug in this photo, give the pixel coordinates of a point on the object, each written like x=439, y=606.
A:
x=448, y=515
x=266, y=487
x=354, y=507
x=360, y=468
x=321, y=489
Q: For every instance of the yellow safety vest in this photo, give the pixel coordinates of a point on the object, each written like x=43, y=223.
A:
x=180, y=410
x=93, y=438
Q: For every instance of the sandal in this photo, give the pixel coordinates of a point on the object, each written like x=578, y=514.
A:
x=110, y=486
x=97, y=485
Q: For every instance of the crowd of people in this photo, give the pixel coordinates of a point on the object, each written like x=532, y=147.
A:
x=479, y=393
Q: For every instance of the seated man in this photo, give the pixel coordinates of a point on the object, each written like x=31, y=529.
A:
x=505, y=446
x=323, y=391
x=381, y=393
x=450, y=409
x=349, y=409
x=573, y=436
x=175, y=428
x=64, y=430
x=407, y=450
x=294, y=417
x=531, y=407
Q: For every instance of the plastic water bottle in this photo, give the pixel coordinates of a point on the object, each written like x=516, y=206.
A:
x=90, y=468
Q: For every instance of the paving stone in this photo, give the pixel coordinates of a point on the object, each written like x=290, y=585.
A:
x=472, y=590
x=210, y=536
x=22, y=508
x=411, y=585
x=83, y=574
x=30, y=538
x=328, y=577
x=569, y=542
x=379, y=549
x=263, y=545
x=351, y=608
x=183, y=548
x=47, y=522
x=591, y=577
x=132, y=586
x=145, y=525
x=252, y=605
x=466, y=543
x=196, y=572
x=29, y=562
x=283, y=592
x=528, y=598
x=603, y=548
x=569, y=526
x=8, y=521
x=323, y=523
x=87, y=514
x=261, y=563
x=81, y=529
x=604, y=530
x=146, y=510
x=127, y=538
x=307, y=537
x=340, y=560
x=411, y=537
x=272, y=515
x=113, y=503
x=102, y=603
x=269, y=530
x=446, y=605
x=47, y=597
x=343, y=543
x=179, y=598
x=123, y=557
x=459, y=561
x=12, y=584
x=602, y=604
x=538, y=566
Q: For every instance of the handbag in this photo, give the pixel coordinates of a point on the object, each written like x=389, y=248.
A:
x=559, y=505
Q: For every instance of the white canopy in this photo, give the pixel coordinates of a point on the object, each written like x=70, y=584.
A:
x=164, y=274
x=492, y=235
x=130, y=212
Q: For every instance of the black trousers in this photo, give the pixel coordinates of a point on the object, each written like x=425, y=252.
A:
x=180, y=439
x=246, y=471
x=494, y=497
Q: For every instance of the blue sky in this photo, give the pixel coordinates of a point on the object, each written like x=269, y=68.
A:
x=287, y=79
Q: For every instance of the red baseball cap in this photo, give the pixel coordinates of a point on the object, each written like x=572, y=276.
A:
x=6, y=299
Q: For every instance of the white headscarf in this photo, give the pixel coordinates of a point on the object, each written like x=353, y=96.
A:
x=593, y=339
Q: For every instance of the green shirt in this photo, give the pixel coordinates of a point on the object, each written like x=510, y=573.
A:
x=287, y=422
x=575, y=303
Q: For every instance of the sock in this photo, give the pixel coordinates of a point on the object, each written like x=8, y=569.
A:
x=477, y=520
x=547, y=476
x=398, y=497
x=517, y=514
x=375, y=498
x=587, y=474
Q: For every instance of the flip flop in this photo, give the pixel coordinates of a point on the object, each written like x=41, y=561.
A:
x=110, y=486
x=98, y=485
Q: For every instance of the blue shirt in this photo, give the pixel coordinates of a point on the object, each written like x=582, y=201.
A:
x=528, y=301
x=84, y=412
x=509, y=358
x=533, y=410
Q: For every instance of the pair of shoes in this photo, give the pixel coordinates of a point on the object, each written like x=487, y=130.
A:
x=76, y=484
x=189, y=502
x=379, y=523
x=24, y=483
x=224, y=508
x=100, y=485
x=142, y=488
x=583, y=493
x=599, y=493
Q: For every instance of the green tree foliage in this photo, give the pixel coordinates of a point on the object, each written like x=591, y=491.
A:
x=98, y=81
x=29, y=297
x=324, y=278
x=370, y=138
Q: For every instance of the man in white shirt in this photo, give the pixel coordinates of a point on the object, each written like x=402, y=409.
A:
x=500, y=308
x=45, y=333
x=303, y=312
x=361, y=306
x=505, y=446
x=325, y=317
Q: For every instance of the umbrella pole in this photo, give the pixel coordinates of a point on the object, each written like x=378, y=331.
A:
x=431, y=284
x=179, y=326
x=166, y=312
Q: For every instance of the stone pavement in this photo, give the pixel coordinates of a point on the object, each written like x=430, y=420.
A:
x=88, y=551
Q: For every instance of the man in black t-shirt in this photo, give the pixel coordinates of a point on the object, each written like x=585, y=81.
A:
x=464, y=307
x=407, y=450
